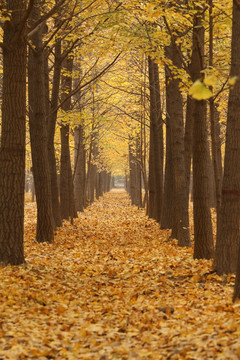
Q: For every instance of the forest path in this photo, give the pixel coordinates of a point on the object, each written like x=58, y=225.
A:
x=111, y=287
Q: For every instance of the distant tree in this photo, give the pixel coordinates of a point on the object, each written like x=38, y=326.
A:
x=156, y=144
x=79, y=175
x=134, y=171
x=66, y=179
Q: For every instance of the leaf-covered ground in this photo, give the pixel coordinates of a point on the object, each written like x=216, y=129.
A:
x=112, y=287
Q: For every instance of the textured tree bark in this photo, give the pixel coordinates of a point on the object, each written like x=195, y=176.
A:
x=138, y=170
x=168, y=202
x=227, y=244
x=97, y=185
x=104, y=181
x=219, y=147
x=51, y=124
x=109, y=181
x=211, y=179
x=203, y=237
x=66, y=181
x=38, y=133
x=214, y=122
x=174, y=102
x=156, y=144
x=92, y=182
x=12, y=151
x=151, y=177
x=188, y=141
x=134, y=172
x=80, y=171
x=88, y=174
x=101, y=183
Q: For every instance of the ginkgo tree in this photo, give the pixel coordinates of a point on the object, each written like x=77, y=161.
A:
x=138, y=100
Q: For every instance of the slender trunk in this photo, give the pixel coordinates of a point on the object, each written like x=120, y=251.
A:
x=52, y=118
x=109, y=181
x=38, y=134
x=79, y=173
x=65, y=199
x=180, y=229
x=188, y=141
x=156, y=139
x=92, y=179
x=132, y=174
x=168, y=198
x=66, y=180
x=33, y=191
x=214, y=124
x=144, y=140
x=135, y=172
x=203, y=237
x=97, y=185
x=138, y=170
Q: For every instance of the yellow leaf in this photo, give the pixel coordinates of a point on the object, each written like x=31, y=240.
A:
x=232, y=80
x=210, y=80
x=195, y=278
x=199, y=91
x=61, y=309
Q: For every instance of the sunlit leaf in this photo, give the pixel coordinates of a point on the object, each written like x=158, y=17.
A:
x=210, y=80
x=232, y=80
x=199, y=91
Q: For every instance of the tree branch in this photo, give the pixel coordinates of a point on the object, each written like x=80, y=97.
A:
x=45, y=17
x=237, y=3
x=28, y=12
x=174, y=41
x=80, y=87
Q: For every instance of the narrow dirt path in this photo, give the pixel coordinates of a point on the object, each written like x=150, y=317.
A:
x=111, y=287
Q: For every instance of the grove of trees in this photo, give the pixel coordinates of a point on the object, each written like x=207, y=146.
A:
x=149, y=91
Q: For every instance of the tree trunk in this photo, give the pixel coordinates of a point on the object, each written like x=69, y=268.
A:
x=12, y=151
x=51, y=120
x=168, y=198
x=80, y=172
x=156, y=144
x=109, y=181
x=188, y=141
x=214, y=122
x=203, y=237
x=227, y=245
x=66, y=181
x=180, y=229
x=134, y=172
x=38, y=133
x=92, y=180
x=65, y=197
x=101, y=183
x=97, y=185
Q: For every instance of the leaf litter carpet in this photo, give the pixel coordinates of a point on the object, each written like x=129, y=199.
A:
x=112, y=287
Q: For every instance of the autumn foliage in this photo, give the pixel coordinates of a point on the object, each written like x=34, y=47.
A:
x=112, y=287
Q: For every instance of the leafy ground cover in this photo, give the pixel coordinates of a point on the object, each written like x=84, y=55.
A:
x=112, y=287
